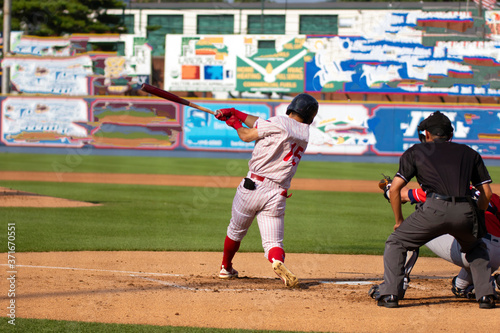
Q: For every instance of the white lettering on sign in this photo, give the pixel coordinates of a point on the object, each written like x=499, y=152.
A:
x=410, y=129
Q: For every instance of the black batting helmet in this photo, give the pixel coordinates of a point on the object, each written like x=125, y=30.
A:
x=305, y=105
x=437, y=124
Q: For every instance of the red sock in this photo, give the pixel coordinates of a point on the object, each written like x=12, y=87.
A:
x=230, y=249
x=276, y=253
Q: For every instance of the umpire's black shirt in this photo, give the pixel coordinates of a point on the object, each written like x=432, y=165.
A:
x=443, y=167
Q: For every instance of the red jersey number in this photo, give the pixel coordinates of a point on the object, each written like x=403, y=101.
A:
x=295, y=154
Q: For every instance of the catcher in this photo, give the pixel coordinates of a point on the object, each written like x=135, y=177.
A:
x=447, y=247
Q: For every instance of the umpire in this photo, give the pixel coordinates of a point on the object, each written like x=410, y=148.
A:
x=444, y=170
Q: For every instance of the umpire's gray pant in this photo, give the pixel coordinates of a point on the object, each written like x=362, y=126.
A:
x=430, y=220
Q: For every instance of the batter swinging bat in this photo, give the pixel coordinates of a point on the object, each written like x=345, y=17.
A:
x=171, y=97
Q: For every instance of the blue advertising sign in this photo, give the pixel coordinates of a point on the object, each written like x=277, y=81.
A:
x=395, y=127
x=202, y=131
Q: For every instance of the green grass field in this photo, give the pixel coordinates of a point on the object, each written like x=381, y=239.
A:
x=54, y=326
x=164, y=218
x=161, y=218
x=181, y=166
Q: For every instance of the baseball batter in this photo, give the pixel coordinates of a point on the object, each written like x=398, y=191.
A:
x=280, y=143
x=447, y=247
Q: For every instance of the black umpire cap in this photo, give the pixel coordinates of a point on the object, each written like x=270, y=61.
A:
x=437, y=124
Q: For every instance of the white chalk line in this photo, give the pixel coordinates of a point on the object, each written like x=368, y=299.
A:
x=136, y=274
x=96, y=270
x=351, y=283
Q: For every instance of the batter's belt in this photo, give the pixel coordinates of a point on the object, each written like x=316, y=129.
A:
x=269, y=182
x=257, y=177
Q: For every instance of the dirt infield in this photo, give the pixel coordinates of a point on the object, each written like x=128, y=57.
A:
x=14, y=198
x=182, y=289
x=178, y=180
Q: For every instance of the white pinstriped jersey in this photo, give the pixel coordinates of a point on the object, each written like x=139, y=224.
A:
x=277, y=153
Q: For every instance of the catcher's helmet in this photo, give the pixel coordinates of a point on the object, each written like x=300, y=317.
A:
x=437, y=124
x=305, y=105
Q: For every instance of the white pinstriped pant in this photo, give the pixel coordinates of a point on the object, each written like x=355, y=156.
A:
x=266, y=203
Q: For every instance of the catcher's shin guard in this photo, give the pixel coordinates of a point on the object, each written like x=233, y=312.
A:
x=410, y=263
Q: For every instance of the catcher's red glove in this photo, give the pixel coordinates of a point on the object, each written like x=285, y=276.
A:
x=234, y=122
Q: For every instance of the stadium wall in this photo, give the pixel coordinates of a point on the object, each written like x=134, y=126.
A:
x=141, y=124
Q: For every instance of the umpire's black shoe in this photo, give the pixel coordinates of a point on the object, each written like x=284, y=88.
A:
x=389, y=301
x=487, y=302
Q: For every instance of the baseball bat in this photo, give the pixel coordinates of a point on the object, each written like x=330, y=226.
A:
x=172, y=97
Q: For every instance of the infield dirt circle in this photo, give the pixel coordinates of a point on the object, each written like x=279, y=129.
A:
x=182, y=289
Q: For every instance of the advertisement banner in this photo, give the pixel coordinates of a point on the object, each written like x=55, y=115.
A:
x=134, y=124
x=67, y=66
x=395, y=127
x=56, y=76
x=338, y=129
x=362, y=65
x=272, y=69
x=200, y=63
x=107, y=123
x=148, y=123
x=42, y=46
x=268, y=63
x=203, y=131
x=51, y=122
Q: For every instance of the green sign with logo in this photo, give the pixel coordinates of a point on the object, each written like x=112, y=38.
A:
x=279, y=69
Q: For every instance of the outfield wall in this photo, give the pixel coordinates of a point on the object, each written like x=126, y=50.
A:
x=151, y=124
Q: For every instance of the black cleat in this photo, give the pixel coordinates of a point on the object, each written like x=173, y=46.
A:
x=468, y=292
x=389, y=301
x=487, y=302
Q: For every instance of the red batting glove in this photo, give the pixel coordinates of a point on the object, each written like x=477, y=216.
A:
x=234, y=122
x=227, y=113
x=224, y=114
x=240, y=115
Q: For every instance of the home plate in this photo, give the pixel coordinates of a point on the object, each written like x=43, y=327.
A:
x=352, y=283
